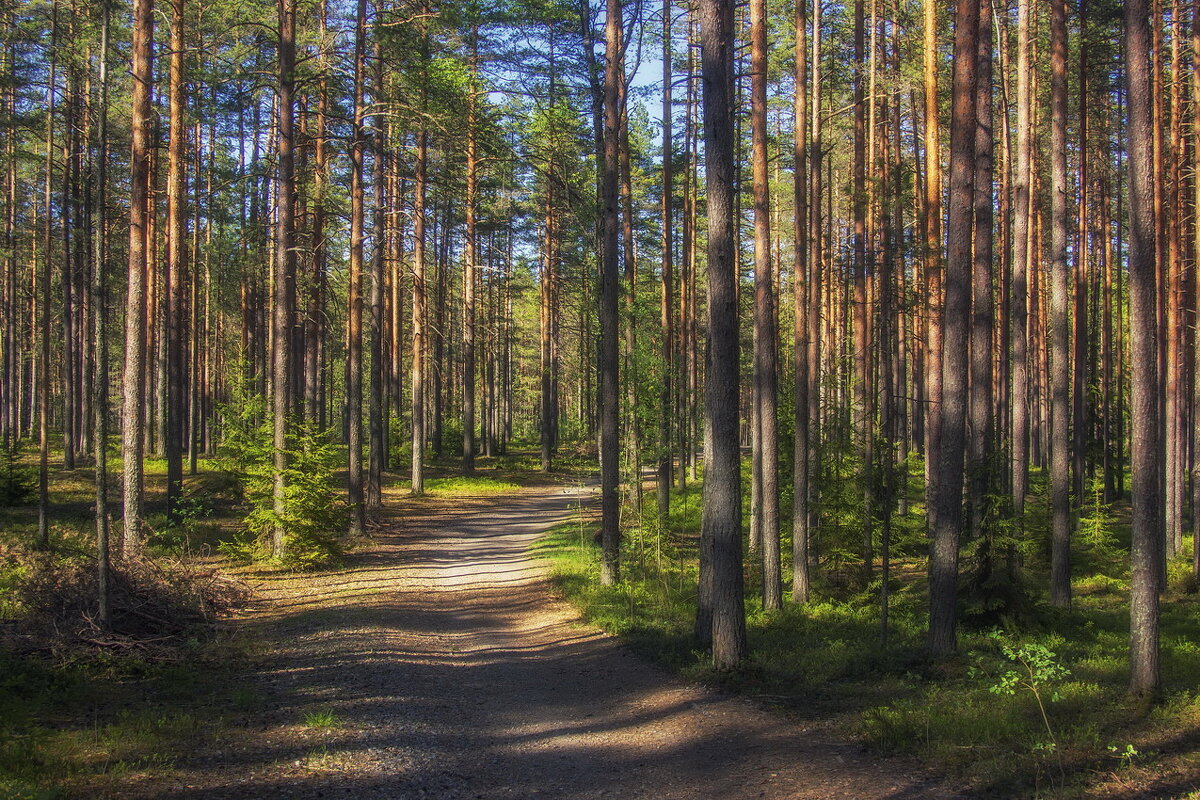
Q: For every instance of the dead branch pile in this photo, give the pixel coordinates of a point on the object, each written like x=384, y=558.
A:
x=154, y=605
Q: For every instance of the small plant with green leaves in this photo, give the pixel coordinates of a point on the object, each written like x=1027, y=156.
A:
x=1036, y=670
x=1124, y=755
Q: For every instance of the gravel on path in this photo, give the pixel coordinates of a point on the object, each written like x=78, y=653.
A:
x=449, y=670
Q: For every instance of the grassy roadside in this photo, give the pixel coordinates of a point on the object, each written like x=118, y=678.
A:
x=977, y=717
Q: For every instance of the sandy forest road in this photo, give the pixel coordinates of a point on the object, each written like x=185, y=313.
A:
x=456, y=675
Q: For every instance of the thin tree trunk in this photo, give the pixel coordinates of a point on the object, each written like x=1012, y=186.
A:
x=766, y=334
x=100, y=334
x=377, y=456
x=354, y=298
x=667, y=306
x=1196, y=245
x=801, y=287
x=1060, y=535
x=284, y=299
x=933, y=260
x=420, y=167
x=1020, y=288
x=610, y=532
x=981, y=427
x=176, y=269
x=471, y=267
x=43, y=370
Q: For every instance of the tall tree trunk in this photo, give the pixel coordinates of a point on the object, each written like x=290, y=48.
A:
x=377, y=457
x=420, y=179
x=862, y=426
x=721, y=618
x=1060, y=536
x=354, y=294
x=947, y=475
x=981, y=419
x=314, y=326
x=667, y=305
x=814, y=281
x=43, y=370
x=1020, y=270
x=609, y=401
x=1196, y=246
x=471, y=267
x=133, y=420
x=633, y=423
x=932, y=209
x=1147, y=540
x=284, y=290
x=801, y=283
x=99, y=290
x=765, y=333
x=1081, y=340
x=176, y=269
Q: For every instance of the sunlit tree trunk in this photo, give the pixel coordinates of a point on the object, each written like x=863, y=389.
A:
x=1147, y=539
x=801, y=288
x=667, y=305
x=284, y=290
x=1060, y=536
x=932, y=209
x=1020, y=270
x=135, y=297
x=470, y=267
x=765, y=332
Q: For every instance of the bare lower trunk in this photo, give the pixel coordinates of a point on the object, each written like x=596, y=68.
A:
x=721, y=620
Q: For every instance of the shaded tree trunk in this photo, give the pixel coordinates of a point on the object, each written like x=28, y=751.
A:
x=947, y=474
x=720, y=618
x=609, y=401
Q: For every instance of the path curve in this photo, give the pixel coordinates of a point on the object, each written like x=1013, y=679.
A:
x=456, y=674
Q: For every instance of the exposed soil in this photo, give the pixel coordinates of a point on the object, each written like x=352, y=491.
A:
x=454, y=673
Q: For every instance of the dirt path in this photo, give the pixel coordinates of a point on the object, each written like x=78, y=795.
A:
x=454, y=674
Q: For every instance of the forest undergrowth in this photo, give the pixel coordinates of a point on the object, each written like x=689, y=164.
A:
x=1033, y=705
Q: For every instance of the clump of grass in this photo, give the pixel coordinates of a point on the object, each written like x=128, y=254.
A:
x=323, y=719
x=477, y=485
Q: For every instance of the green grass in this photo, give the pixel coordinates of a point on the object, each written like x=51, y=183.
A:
x=472, y=485
x=323, y=719
x=81, y=722
x=824, y=662
x=81, y=729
